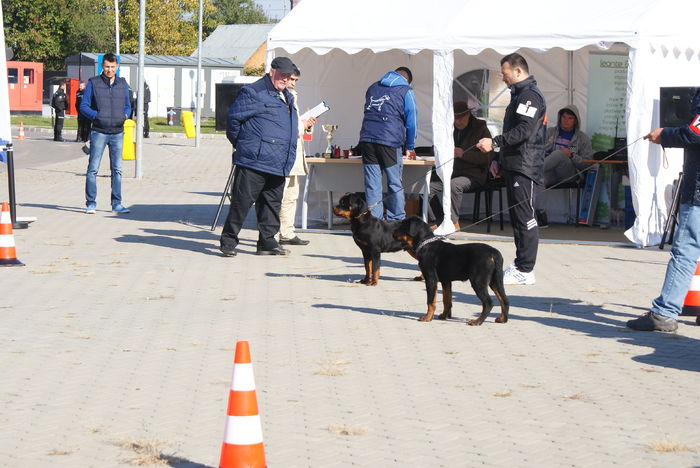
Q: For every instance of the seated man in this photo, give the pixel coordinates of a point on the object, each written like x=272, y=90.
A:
x=566, y=148
x=470, y=168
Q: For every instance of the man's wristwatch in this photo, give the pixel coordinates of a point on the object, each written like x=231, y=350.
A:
x=495, y=146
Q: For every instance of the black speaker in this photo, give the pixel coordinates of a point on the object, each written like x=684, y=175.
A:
x=674, y=105
x=226, y=93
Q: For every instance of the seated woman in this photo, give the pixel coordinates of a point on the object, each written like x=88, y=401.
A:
x=470, y=169
x=566, y=148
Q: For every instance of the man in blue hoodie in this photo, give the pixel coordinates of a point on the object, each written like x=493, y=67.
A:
x=262, y=125
x=686, y=241
x=106, y=103
x=388, y=133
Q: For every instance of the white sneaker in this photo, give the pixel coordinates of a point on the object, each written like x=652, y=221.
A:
x=510, y=268
x=513, y=276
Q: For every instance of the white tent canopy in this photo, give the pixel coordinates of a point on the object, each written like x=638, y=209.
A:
x=341, y=47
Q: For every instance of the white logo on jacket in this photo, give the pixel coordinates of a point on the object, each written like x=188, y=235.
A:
x=378, y=103
x=526, y=109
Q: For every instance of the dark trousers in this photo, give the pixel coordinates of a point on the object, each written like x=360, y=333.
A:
x=146, y=123
x=459, y=185
x=58, y=125
x=265, y=190
x=522, y=199
x=84, y=127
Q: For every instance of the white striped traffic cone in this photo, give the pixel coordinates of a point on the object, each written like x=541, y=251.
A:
x=243, y=441
x=691, y=304
x=8, y=254
x=20, y=135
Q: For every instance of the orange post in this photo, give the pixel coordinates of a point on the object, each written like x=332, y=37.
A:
x=20, y=136
x=243, y=441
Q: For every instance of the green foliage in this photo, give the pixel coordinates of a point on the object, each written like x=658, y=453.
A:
x=171, y=26
x=239, y=12
x=50, y=30
x=254, y=71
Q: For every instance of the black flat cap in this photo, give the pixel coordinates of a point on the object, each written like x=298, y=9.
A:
x=283, y=65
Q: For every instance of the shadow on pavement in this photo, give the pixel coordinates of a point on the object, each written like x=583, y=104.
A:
x=672, y=350
x=205, y=242
x=366, y=310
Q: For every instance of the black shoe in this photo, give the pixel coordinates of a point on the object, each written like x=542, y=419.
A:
x=653, y=322
x=541, y=217
x=58, y=139
x=86, y=149
x=227, y=252
x=294, y=241
x=275, y=251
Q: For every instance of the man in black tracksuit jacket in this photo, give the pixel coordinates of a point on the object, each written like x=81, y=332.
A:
x=519, y=158
x=59, y=102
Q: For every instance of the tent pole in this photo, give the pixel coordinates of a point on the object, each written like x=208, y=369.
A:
x=570, y=82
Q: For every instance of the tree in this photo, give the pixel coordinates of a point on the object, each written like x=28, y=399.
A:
x=48, y=31
x=91, y=27
x=35, y=28
x=171, y=26
x=239, y=12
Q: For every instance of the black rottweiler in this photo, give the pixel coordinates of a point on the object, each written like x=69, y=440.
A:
x=373, y=236
x=481, y=264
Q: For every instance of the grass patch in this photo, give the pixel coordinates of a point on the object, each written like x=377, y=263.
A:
x=669, y=446
x=158, y=124
x=149, y=452
x=333, y=368
x=346, y=429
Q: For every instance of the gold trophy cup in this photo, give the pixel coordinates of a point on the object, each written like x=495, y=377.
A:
x=329, y=129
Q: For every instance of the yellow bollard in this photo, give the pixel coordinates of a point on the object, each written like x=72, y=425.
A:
x=128, y=153
x=188, y=123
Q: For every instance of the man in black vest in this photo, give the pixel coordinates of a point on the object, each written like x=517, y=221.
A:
x=387, y=135
x=106, y=103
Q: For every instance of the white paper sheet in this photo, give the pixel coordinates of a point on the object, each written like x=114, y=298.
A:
x=316, y=111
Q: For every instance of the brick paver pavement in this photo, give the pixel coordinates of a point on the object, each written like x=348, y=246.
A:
x=120, y=332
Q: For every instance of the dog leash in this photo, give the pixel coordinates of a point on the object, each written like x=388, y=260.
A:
x=552, y=187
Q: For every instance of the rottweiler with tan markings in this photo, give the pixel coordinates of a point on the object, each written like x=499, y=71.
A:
x=442, y=261
x=373, y=236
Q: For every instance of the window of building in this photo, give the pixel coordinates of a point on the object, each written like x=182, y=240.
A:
x=12, y=75
x=28, y=76
x=485, y=93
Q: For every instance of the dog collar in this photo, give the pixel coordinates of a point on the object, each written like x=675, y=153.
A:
x=427, y=241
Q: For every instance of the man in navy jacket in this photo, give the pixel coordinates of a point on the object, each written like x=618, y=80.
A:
x=262, y=126
x=388, y=133
x=686, y=242
x=106, y=103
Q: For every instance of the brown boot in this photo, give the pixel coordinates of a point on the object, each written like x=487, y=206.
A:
x=457, y=228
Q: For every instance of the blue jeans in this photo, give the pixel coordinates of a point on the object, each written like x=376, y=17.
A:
x=98, y=141
x=684, y=256
x=395, y=199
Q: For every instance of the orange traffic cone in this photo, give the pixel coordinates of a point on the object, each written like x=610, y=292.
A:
x=8, y=254
x=243, y=441
x=21, y=131
x=691, y=305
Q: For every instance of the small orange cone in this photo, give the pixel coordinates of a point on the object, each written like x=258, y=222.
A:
x=243, y=441
x=21, y=131
x=691, y=305
x=8, y=254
